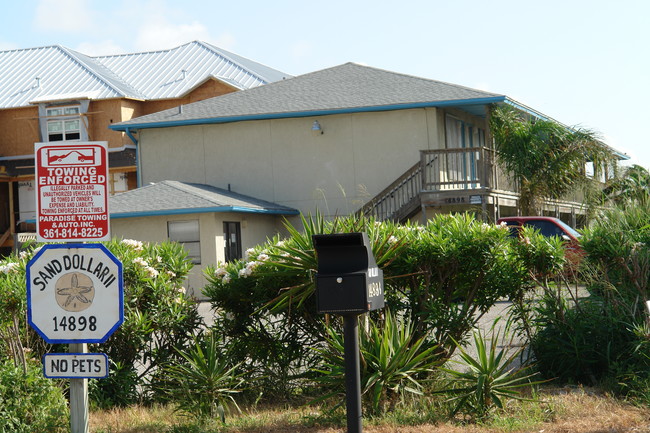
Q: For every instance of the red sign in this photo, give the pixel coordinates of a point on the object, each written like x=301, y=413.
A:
x=72, y=192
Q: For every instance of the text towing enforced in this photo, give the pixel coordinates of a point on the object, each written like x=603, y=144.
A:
x=71, y=175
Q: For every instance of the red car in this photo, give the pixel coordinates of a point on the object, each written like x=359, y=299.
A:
x=549, y=226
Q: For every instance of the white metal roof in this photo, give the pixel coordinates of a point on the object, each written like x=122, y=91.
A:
x=33, y=75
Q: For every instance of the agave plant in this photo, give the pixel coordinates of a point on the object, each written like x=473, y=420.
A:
x=394, y=363
x=486, y=380
x=205, y=384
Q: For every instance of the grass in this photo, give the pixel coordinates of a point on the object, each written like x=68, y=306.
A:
x=559, y=410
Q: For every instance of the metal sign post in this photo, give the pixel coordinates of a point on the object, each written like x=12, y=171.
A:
x=75, y=295
x=74, y=292
x=352, y=374
x=79, y=397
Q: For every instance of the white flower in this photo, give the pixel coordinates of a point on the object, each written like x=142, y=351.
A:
x=171, y=274
x=151, y=272
x=140, y=261
x=252, y=265
x=263, y=257
x=245, y=272
x=280, y=244
x=159, y=259
x=9, y=268
x=248, y=253
x=23, y=255
x=392, y=240
x=136, y=245
x=220, y=272
x=226, y=279
x=182, y=290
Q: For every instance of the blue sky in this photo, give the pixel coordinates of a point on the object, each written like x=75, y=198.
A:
x=582, y=62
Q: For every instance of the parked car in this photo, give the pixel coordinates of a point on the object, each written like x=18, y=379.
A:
x=549, y=226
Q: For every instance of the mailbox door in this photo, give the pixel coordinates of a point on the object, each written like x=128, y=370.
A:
x=341, y=294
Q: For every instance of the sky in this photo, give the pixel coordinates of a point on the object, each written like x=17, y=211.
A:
x=584, y=63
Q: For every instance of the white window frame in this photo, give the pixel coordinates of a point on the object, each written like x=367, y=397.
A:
x=64, y=117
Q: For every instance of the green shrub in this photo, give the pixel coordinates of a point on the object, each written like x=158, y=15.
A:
x=394, y=363
x=601, y=339
x=442, y=277
x=30, y=403
x=204, y=382
x=159, y=320
x=486, y=380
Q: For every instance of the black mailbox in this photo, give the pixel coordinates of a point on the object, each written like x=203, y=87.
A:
x=348, y=279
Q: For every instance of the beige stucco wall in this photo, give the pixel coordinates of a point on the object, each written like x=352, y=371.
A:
x=255, y=229
x=283, y=161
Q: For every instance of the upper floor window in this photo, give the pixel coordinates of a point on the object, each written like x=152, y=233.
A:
x=63, y=123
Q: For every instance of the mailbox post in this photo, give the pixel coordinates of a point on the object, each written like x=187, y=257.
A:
x=348, y=283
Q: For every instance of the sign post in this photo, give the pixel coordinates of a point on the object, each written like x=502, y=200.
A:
x=74, y=291
x=75, y=295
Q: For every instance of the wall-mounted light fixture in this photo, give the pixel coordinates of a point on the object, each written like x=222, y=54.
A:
x=316, y=129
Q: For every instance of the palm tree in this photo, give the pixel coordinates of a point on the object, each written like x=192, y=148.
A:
x=545, y=158
x=631, y=188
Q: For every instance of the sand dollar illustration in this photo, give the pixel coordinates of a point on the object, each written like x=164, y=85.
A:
x=74, y=292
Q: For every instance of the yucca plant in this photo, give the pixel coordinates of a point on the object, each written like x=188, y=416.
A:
x=204, y=384
x=394, y=363
x=487, y=379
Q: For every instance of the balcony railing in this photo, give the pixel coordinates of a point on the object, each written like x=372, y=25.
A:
x=472, y=170
x=438, y=170
x=455, y=169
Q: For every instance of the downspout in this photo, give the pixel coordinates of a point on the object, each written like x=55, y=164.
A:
x=137, y=157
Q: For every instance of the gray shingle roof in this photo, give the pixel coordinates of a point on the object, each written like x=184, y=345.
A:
x=55, y=72
x=345, y=88
x=173, y=197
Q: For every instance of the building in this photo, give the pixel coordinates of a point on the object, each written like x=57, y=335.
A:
x=213, y=224
x=53, y=93
x=346, y=139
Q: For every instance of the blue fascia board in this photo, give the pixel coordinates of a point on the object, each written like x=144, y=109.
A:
x=237, y=209
x=268, y=116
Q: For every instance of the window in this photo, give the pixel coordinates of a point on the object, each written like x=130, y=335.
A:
x=462, y=166
x=187, y=234
x=63, y=123
x=546, y=228
x=232, y=238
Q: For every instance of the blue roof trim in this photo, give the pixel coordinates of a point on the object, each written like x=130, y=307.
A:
x=267, y=116
x=238, y=209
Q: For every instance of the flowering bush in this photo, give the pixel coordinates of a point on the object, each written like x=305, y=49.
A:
x=442, y=276
x=159, y=320
x=158, y=317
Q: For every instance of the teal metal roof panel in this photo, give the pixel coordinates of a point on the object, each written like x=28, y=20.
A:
x=28, y=75
x=174, y=72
